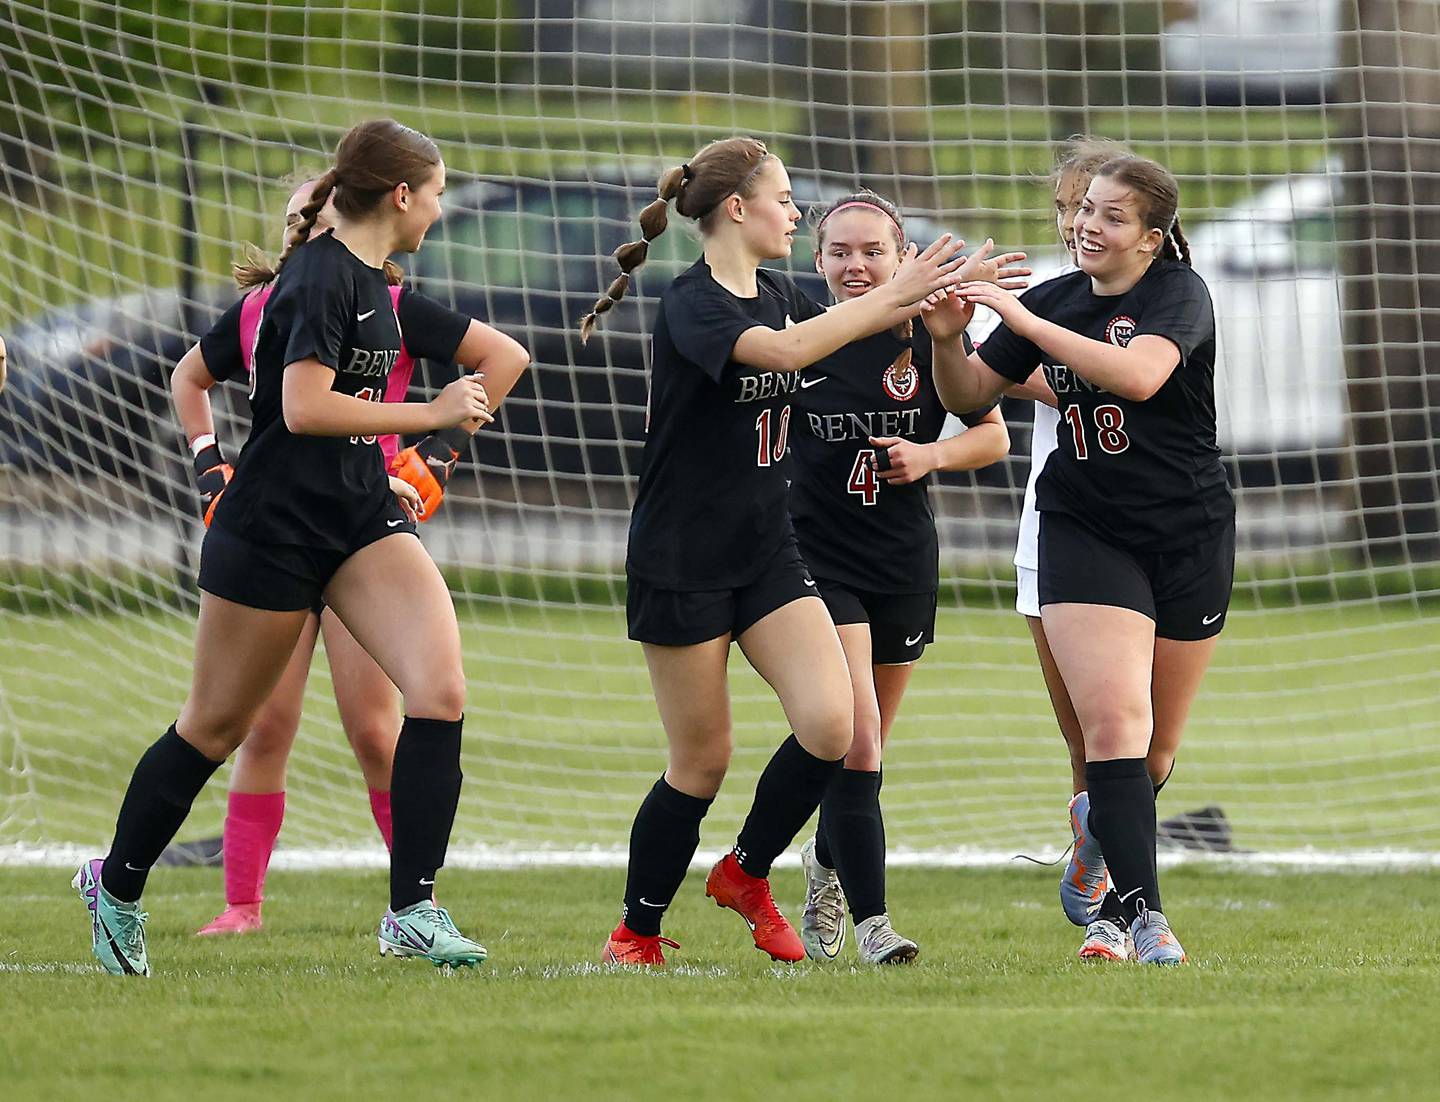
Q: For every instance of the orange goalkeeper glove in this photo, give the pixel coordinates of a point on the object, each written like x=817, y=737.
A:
x=212, y=475
x=427, y=467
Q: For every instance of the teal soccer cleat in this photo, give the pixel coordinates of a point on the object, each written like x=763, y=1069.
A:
x=425, y=930
x=117, y=930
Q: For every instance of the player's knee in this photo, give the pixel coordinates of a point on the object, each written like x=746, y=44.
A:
x=272, y=731
x=827, y=732
x=866, y=745
x=374, y=747
x=1117, y=731
x=701, y=768
x=440, y=697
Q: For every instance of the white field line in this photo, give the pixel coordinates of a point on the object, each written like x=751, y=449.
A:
x=502, y=857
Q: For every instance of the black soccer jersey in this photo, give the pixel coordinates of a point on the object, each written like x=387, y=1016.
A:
x=853, y=527
x=315, y=491
x=710, y=510
x=1146, y=474
x=429, y=330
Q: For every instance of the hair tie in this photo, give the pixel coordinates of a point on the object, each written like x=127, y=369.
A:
x=686, y=172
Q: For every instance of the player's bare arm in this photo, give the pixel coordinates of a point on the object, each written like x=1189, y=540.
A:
x=920, y=275
x=1135, y=372
x=313, y=409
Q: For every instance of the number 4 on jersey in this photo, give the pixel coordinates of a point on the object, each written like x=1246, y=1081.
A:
x=863, y=480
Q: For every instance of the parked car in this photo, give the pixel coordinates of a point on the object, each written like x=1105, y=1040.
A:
x=1254, y=51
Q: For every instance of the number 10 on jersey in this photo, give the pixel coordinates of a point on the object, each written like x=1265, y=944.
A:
x=770, y=445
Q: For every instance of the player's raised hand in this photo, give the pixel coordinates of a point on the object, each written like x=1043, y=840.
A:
x=463, y=403
x=946, y=315
x=1003, y=270
x=904, y=462
x=1012, y=311
x=923, y=273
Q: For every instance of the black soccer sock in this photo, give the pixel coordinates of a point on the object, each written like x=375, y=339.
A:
x=166, y=780
x=1122, y=815
x=850, y=815
x=663, y=838
x=790, y=789
x=823, y=854
x=424, y=793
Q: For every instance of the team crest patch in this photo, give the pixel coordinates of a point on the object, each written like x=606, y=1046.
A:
x=1118, y=331
x=901, y=379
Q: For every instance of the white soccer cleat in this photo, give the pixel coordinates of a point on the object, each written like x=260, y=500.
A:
x=822, y=925
x=878, y=943
x=1104, y=940
x=1154, y=943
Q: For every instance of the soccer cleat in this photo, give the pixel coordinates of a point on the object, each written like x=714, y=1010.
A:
x=749, y=896
x=1104, y=940
x=628, y=949
x=236, y=918
x=1085, y=881
x=878, y=943
x=425, y=930
x=1154, y=943
x=117, y=930
x=822, y=924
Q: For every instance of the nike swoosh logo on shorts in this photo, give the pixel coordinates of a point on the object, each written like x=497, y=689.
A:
x=806, y=384
x=366, y=314
x=810, y=582
x=912, y=642
x=394, y=523
x=1208, y=620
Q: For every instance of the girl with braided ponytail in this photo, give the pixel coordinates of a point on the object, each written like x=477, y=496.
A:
x=712, y=556
x=310, y=513
x=1137, y=521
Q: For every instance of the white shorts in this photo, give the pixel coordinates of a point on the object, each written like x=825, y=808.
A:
x=1027, y=591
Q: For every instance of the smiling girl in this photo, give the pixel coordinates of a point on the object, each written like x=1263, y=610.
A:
x=310, y=514
x=867, y=532
x=1137, y=521
x=712, y=556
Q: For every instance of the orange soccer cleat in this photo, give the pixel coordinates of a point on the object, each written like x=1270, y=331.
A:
x=236, y=918
x=749, y=896
x=627, y=948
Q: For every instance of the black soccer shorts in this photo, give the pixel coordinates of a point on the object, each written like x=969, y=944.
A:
x=900, y=623
x=280, y=577
x=681, y=618
x=1186, y=591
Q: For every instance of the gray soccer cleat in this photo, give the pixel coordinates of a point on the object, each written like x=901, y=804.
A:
x=1154, y=943
x=822, y=925
x=1104, y=940
x=878, y=943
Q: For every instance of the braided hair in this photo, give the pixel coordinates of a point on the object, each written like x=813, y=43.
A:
x=1159, y=196
x=698, y=188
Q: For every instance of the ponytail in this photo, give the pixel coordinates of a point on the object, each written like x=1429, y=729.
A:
x=653, y=221
x=723, y=168
x=1176, y=246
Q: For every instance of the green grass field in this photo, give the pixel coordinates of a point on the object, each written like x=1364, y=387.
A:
x=1316, y=727
x=1299, y=988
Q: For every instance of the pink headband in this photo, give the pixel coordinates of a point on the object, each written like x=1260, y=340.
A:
x=869, y=206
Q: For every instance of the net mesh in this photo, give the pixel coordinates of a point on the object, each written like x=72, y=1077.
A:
x=142, y=144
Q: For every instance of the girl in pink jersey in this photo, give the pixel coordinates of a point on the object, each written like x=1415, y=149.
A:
x=367, y=701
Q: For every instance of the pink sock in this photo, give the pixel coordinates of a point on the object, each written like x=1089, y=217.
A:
x=251, y=825
x=380, y=808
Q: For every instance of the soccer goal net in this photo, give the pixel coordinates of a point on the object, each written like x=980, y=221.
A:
x=142, y=144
